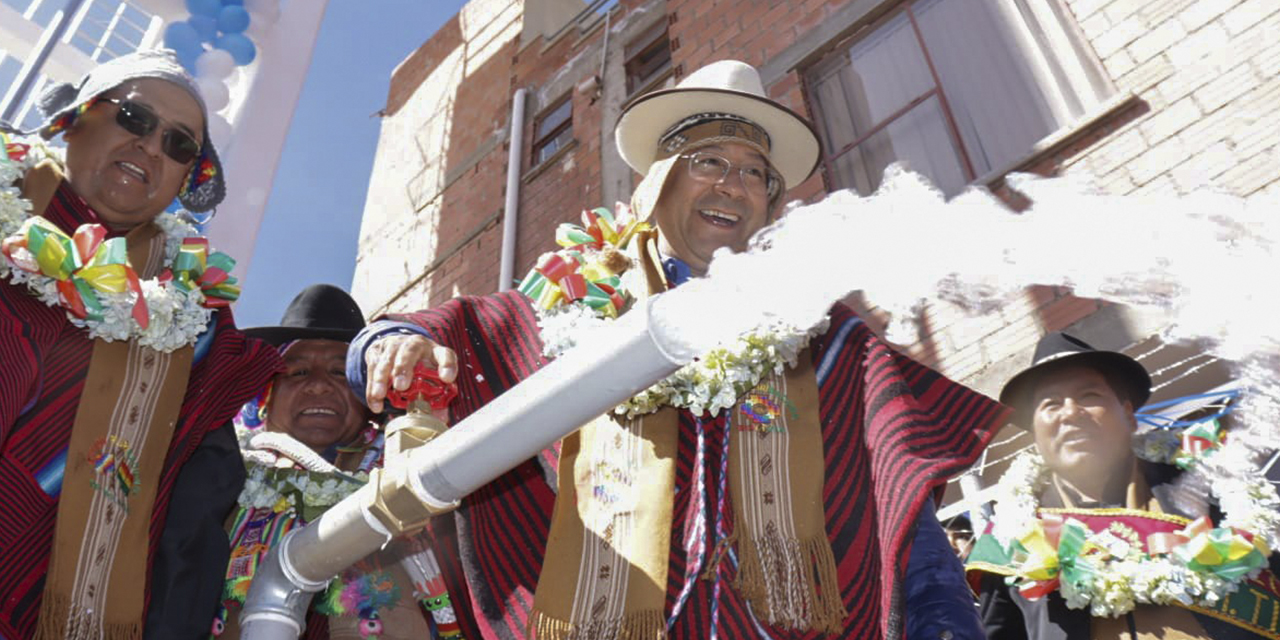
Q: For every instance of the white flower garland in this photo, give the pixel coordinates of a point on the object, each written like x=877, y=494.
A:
x=710, y=384
x=279, y=489
x=269, y=485
x=1121, y=583
x=176, y=318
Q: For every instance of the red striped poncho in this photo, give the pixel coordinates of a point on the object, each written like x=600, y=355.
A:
x=893, y=430
x=45, y=361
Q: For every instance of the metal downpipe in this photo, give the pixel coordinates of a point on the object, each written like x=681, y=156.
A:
x=511, y=209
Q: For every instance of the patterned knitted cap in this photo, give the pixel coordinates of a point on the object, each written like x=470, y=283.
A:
x=61, y=104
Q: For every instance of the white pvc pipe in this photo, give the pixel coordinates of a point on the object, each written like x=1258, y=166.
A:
x=511, y=209
x=566, y=394
x=625, y=358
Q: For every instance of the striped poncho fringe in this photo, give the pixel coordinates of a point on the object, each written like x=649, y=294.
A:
x=893, y=431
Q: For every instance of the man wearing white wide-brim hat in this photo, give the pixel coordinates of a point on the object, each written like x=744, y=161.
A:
x=797, y=507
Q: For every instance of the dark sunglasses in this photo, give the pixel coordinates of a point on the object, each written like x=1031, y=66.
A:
x=140, y=121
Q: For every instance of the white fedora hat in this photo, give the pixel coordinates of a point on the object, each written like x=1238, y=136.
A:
x=727, y=86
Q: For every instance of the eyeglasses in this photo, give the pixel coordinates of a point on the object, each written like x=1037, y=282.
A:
x=708, y=167
x=140, y=121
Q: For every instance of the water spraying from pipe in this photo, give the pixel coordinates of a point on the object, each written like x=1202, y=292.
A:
x=1199, y=258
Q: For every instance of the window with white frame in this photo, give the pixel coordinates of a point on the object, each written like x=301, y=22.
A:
x=955, y=89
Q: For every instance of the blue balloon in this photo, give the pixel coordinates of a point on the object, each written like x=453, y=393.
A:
x=240, y=47
x=233, y=19
x=182, y=38
x=187, y=58
x=206, y=27
x=208, y=8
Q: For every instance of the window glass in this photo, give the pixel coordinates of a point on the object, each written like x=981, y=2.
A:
x=553, y=130
x=955, y=88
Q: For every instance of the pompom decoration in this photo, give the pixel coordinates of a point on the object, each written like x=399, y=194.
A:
x=370, y=628
x=233, y=19
x=240, y=47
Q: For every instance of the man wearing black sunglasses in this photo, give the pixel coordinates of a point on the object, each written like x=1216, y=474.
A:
x=130, y=153
x=117, y=456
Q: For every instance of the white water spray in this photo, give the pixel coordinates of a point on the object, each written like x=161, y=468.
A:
x=1204, y=259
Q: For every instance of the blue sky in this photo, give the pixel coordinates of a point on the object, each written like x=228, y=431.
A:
x=313, y=215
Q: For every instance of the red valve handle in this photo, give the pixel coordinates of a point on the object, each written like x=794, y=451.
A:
x=427, y=387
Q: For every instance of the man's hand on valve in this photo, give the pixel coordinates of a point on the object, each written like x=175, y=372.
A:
x=390, y=360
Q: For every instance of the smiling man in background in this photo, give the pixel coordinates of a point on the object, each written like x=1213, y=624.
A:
x=1079, y=404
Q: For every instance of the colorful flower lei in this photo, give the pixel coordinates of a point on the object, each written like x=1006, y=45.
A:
x=1199, y=565
x=91, y=278
x=585, y=285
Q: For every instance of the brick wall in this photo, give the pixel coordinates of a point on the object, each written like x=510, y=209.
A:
x=1202, y=79
x=1210, y=71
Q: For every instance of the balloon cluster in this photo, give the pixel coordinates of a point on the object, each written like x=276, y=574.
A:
x=218, y=37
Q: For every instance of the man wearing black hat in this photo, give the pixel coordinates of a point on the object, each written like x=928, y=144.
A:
x=1086, y=536
x=309, y=428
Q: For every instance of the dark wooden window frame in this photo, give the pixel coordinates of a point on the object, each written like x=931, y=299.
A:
x=830, y=156
x=643, y=74
x=541, y=142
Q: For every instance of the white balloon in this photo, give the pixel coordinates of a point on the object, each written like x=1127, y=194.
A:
x=215, y=92
x=219, y=131
x=216, y=64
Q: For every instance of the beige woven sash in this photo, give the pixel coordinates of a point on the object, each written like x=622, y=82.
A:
x=605, y=571
x=123, y=426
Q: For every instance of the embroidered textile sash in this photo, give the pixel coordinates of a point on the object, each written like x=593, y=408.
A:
x=120, y=438
x=605, y=572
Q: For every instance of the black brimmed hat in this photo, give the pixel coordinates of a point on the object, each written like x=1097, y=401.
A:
x=1058, y=349
x=320, y=312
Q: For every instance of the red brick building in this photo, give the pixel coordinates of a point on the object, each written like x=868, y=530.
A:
x=1142, y=95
